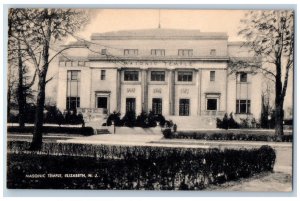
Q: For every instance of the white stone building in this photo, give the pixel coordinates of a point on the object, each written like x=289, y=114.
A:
x=182, y=74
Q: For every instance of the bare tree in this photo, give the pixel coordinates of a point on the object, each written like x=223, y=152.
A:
x=270, y=34
x=38, y=30
x=17, y=58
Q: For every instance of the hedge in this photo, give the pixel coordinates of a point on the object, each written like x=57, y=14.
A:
x=224, y=136
x=53, y=129
x=133, y=167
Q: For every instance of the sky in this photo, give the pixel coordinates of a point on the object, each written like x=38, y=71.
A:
x=105, y=20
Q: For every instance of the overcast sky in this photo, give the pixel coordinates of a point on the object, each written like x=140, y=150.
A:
x=203, y=20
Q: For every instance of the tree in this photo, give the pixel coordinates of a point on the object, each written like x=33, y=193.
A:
x=38, y=30
x=270, y=34
x=16, y=59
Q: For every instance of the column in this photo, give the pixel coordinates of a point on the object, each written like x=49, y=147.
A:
x=144, y=90
x=118, y=90
x=199, y=80
x=171, y=92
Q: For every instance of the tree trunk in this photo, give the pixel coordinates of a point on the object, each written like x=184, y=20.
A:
x=278, y=102
x=279, y=122
x=37, y=139
x=21, y=95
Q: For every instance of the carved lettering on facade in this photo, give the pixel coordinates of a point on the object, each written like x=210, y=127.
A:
x=157, y=63
x=130, y=90
x=157, y=91
x=184, y=91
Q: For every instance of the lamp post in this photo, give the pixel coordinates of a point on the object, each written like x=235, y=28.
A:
x=269, y=121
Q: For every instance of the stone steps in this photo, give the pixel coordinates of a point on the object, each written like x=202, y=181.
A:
x=101, y=131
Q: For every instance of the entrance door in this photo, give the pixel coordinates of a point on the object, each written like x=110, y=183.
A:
x=130, y=104
x=102, y=102
x=184, y=107
x=157, y=105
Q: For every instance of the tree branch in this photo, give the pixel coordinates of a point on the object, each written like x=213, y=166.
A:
x=32, y=81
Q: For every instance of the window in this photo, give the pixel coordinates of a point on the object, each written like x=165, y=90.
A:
x=243, y=77
x=131, y=75
x=73, y=75
x=157, y=75
x=185, y=52
x=212, y=76
x=157, y=105
x=185, y=76
x=131, y=52
x=184, y=107
x=243, y=106
x=102, y=102
x=130, y=104
x=158, y=52
x=213, y=52
x=103, y=51
x=80, y=63
x=103, y=72
x=68, y=63
x=211, y=104
x=72, y=103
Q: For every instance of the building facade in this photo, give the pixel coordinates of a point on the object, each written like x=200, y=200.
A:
x=170, y=72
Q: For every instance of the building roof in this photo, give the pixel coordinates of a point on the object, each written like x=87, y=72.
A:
x=159, y=34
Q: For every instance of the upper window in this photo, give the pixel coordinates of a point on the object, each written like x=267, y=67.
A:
x=158, y=52
x=131, y=75
x=185, y=76
x=80, y=63
x=185, y=52
x=103, y=72
x=157, y=75
x=73, y=75
x=243, y=77
x=103, y=51
x=212, y=76
x=131, y=52
x=213, y=52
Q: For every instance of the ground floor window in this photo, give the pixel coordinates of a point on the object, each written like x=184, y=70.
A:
x=243, y=106
x=102, y=102
x=212, y=104
x=130, y=104
x=157, y=105
x=72, y=103
x=184, y=107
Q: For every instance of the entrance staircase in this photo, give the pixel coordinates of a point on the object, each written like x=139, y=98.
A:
x=95, y=118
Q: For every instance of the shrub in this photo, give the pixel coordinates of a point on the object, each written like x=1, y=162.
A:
x=129, y=119
x=230, y=136
x=161, y=119
x=133, y=167
x=115, y=116
x=142, y=120
x=167, y=133
x=52, y=129
x=232, y=123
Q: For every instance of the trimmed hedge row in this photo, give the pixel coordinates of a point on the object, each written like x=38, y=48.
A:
x=51, y=129
x=133, y=167
x=224, y=136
